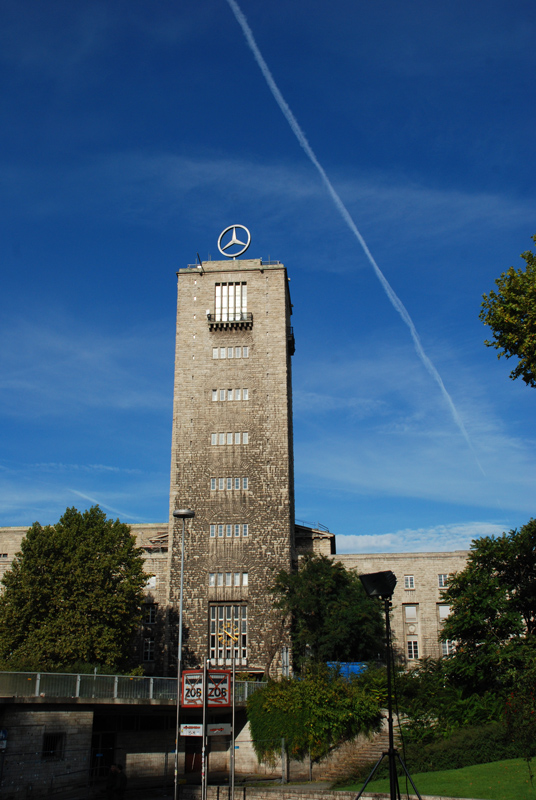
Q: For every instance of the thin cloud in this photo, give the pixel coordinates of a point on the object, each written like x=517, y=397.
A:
x=57, y=371
x=438, y=538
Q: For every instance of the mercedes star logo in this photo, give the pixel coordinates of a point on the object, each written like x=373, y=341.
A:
x=234, y=241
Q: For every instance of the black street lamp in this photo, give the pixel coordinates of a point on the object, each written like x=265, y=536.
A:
x=382, y=585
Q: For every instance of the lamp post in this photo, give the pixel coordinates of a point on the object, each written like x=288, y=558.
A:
x=184, y=514
x=382, y=586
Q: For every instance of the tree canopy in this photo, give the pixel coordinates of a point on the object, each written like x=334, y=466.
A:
x=332, y=618
x=73, y=595
x=510, y=312
x=493, y=609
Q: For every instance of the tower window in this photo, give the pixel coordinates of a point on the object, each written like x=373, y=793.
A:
x=409, y=582
x=228, y=632
x=230, y=301
x=442, y=581
x=227, y=529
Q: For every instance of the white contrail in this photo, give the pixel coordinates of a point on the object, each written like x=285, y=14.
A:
x=101, y=504
x=390, y=292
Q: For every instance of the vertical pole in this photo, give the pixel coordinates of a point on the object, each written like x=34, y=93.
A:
x=283, y=761
x=204, y=763
x=233, y=718
x=179, y=671
x=393, y=782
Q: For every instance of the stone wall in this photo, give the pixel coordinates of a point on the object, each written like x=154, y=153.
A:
x=209, y=443
x=28, y=770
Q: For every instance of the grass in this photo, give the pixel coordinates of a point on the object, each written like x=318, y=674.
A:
x=500, y=780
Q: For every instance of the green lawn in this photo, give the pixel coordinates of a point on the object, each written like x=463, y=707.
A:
x=501, y=780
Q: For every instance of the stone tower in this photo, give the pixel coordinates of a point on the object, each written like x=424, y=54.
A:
x=232, y=460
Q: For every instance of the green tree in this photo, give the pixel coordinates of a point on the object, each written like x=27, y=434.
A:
x=312, y=714
x=332, y=618
x=73, y=595
x=510, y=312
x=493, y=610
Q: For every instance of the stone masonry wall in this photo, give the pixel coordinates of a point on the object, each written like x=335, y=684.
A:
x=267, y=505
x=27, y=771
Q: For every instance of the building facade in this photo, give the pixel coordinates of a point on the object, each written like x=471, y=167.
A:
x=232, y=465
x=231, y=460
x=418, y=608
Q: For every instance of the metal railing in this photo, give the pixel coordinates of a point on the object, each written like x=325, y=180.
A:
x=101, y=687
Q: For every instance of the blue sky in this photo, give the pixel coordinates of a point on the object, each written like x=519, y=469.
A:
x=132, y=133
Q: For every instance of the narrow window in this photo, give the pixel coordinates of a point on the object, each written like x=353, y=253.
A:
x=212, y=531
x=237, y=483
x=217, y=302
x=222, y=394
x=443, y=581
x=215, y=352
x=411, y=613
x=220, y=531
x=245, y=394
x=148, y=649
x=229, y=483
x=409, y=582
x=245, y=578
x=237, y=394
x=245, y=352
x=413, y=649
x=237, y=530
x=245, y=530
x=230, y=394
x=237, y=438
x=212, y=484
x=220, y=578
x=223, y=351
x=228, y=576
x=214, y=394
x=229, y=438
x=448, y=647
x=149, y=613
x=221, y=438
x=245, y=438
x=244, y=483
x=228, y=531
x=220, y=484
x=213, y=438
x=444, y=612
x=212, y=579
x=230, y=352
x=238, y=352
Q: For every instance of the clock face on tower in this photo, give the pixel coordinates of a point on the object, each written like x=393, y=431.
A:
x=227, y=631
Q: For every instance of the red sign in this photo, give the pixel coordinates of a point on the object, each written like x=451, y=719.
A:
x=218, y=693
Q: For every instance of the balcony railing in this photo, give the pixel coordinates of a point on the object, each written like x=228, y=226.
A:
x=230, y=319
x=100, y=687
